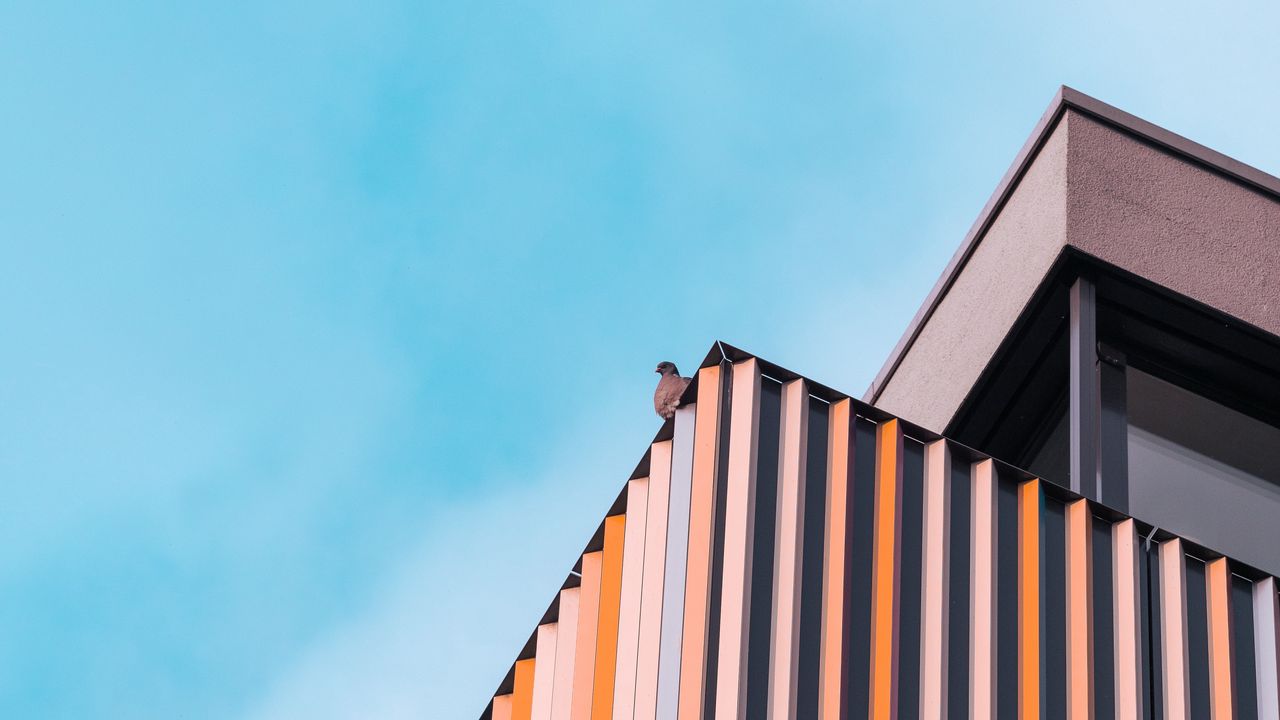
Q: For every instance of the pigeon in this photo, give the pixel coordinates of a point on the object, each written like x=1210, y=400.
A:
x=666, y=398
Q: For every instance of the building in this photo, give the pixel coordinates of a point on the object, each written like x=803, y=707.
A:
x=1059, y=498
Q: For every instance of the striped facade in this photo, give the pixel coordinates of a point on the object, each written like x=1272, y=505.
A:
x=785, y=551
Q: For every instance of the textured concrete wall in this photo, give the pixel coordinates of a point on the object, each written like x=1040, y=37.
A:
x=1158, y=215
x=973, y=317
x=1174, y=222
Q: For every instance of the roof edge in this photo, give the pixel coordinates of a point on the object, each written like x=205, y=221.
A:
x=1066, y=98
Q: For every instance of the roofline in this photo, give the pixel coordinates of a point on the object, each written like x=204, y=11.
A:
x=1066, y=98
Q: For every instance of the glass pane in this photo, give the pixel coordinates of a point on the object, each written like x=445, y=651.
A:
x=1203, y=470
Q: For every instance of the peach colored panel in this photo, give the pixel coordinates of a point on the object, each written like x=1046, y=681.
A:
x=1128, y=620
x=1079, y=527
x=1218, y=605
x=566, y=653
x=655, y=544
x=545, y=671
x=501, y=707
x=739, y=531
x=607, y=634
x=982, y=602
x=588, y=630
x=702, y=500
x=886, y=571
x=522, y=695
x=1173, y=631
x=789, y=544
x=624, y=685
x=831, y=682
x=935, y=581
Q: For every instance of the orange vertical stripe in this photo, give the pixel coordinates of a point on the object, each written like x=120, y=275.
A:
x=839, y=452
x=522, y=696
x=544, y=671
x=886, y=571
x=588, y=628
x=607, y=634
x=702, y=499
x=1030, y=510
x=1079, y=612
x=1218, y=592
x=566, y=653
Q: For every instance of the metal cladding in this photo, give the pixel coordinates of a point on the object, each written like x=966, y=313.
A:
x=784, y=551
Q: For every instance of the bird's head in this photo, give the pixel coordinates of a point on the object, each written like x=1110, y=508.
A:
x=666, y=368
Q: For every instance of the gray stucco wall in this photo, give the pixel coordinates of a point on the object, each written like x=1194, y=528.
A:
x=1160, y=216
x=988, y=295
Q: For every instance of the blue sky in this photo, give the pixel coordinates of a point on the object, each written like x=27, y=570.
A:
x=311, y=310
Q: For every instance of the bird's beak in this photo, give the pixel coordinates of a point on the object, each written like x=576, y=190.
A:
x=657, y=370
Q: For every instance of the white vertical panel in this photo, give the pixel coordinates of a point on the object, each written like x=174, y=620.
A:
x=624, y=679
x=544, y=671
x=982, y=606
x=739, y=533
x=935, y=581
x=673, y=579
x=655, y=555
x=1265, y=610
x=789, y=541
x=566, y=646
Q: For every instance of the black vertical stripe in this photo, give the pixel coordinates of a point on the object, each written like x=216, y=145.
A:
x=1103, y=598
x=911, y=566
x=1006, y=597
x=1197, y=638
x=717, y=543
x=763, y=552
x=958, y=622
x=815, y=518
x=1054, y=614
x=859, y=549
x=1243, y=663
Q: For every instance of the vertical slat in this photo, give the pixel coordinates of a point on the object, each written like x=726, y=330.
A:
x=1079, y=611
x=1266, y=610
x=1084, y=388
x=675, y=572
x=501, y=707
x=652, y=586
x=982, y=604
x=1127, y=610
x=624, y=684
x=886, y=571
x=935, y=581
x=785, y=644
x=607, y=636
x=1173, y=631
x=693, y=653
x=1030, y=602
x=739, y=533
x=1218, y=606
x=566, y=653
x=588, y=630
x=522, y=694
x=835, y=560
x=545, y=671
